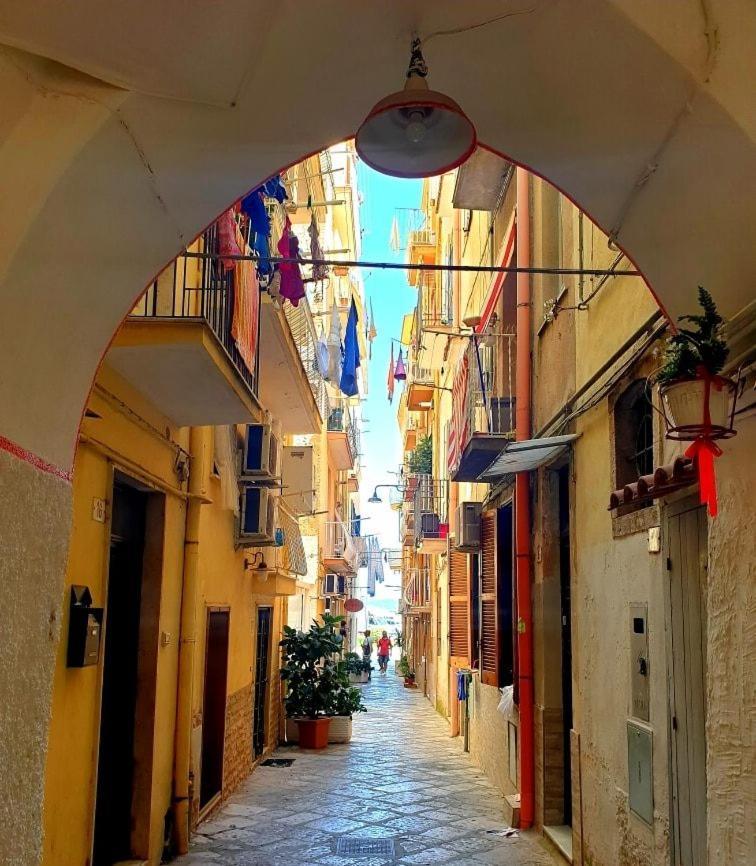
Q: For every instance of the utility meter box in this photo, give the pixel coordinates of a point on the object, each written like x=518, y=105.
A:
x=84, y=629
x=640, y=771
x=639, y=664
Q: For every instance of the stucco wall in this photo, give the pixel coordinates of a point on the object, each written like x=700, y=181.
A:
x=70, y=784
x=610, y=574
x=35, y=517
x=489, y=738
x=731, y=658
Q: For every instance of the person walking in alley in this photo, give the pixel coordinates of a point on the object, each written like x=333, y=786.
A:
x=367, y=647
x=384, y=651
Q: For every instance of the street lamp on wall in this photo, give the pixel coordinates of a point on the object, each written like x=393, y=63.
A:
x=259, y=568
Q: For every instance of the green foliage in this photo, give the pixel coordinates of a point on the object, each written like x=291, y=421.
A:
x=317, y=679
x=398, y=639
x=356, y=665
x=700, y=346
x=421, y=459
x=404, y=667
x=309, y=669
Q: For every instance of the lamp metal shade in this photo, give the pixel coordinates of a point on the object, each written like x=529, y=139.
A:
x=415, y=132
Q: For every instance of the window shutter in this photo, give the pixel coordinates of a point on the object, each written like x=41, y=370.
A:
x=489, y=613
x=459, y=608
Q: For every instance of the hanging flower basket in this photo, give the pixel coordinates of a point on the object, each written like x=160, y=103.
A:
x=704, y=406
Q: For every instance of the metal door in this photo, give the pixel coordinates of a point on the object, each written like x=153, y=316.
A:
x=262, y=675
x=686, y=569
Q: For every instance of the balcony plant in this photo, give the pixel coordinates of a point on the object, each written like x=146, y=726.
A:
x=421, y=459
x=698, y=403
x=313, y=679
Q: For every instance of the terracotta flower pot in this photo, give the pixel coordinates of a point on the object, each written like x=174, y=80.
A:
x=313, y=733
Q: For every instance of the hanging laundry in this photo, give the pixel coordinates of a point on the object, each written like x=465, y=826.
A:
x=322, y=357
x=319, y=272
x=292, y=286
x=254, y=207
x=372, y=331
x=391, y=376
x=334, y=347
x=227, y=244
x=394, y=240
x=348, y=383
x=274, y=286
x=400, y=373
x=275, y=189
x=261, y=246
x=245, y=320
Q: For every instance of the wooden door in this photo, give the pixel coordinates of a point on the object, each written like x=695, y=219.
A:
x=214, y=705
x=686, y=569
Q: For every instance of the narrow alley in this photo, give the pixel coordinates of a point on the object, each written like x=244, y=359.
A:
x=401, y=791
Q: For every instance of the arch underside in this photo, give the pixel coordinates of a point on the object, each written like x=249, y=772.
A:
x=124, y=135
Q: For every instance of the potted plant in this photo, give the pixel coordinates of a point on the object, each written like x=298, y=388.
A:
x=404, y=669
x=313, y=678
x=696, y=400
x=357, y=668
x=347, y=701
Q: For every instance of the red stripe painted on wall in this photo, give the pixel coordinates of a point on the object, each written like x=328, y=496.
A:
x=31, y=458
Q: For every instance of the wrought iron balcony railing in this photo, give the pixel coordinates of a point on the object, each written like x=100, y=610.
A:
x=416, y=591
x=435, y=304
x=303, y=332
x=198, y=289
x=341, y=420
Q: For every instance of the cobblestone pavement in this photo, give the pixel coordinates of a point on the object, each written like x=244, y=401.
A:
x=401, y=781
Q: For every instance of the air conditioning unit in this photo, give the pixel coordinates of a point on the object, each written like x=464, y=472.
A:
x=468, y=526
x=260, y=456
x=257, y=518
x=334, y=584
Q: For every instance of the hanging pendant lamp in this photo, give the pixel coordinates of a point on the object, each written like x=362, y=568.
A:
x=400, y=373
x=415, y=132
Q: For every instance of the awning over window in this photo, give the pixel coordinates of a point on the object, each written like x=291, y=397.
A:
x=527, y=455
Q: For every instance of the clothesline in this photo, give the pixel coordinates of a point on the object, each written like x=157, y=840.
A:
x=420, y=266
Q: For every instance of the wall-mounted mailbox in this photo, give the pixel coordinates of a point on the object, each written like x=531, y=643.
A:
x=639, y=664
x=640, y=771
x=84, y=629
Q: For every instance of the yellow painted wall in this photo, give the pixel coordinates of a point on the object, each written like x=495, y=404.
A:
x=128, y=437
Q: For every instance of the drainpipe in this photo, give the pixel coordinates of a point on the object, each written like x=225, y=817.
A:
x=522, y=510
x=198, y=447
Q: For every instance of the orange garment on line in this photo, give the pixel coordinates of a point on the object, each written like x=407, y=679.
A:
x=245, y=321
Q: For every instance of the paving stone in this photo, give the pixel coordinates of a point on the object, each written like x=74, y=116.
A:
x=402, y=777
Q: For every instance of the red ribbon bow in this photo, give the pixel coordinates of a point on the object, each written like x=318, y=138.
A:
x=703, y=449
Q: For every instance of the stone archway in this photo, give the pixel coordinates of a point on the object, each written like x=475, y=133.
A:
x=124, y=136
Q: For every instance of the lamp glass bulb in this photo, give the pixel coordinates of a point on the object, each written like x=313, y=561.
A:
x=415, y=130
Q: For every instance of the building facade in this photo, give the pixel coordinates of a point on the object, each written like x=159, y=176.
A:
x=629, y=580
x=215, y=488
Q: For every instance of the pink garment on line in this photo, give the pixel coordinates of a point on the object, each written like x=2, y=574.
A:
x=292, y=286
x=227, y=245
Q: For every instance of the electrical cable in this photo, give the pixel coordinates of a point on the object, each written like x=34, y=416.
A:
x=419, y=266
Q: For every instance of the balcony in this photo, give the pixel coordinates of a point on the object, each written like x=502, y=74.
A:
x=421, y=249
x=287, y=563
x=431, y=510
x=341, y=550
x=416, y=594
x=484, y=392
x=291, y=385
x=420, y=387
x=177, y=347
x=343, y=437
x=434, y=320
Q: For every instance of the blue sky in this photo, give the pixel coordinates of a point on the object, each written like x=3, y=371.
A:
x=391, y=298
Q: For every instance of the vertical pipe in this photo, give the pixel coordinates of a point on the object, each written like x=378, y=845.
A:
x=198, y=447
x=522, y=510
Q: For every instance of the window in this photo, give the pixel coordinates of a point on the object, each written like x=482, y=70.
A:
x=496, y=599
x=459, y=608
x=633, y=435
